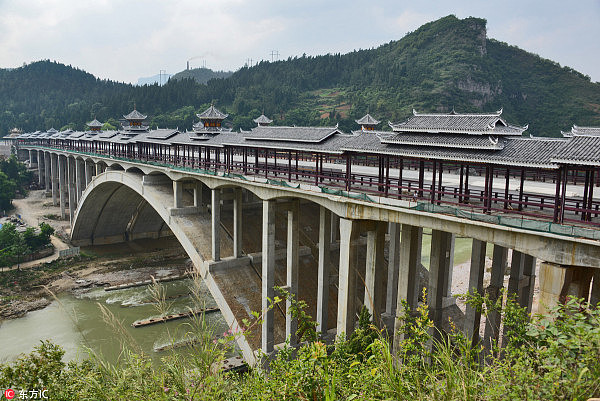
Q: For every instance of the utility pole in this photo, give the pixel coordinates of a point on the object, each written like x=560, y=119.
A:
x=274, y=53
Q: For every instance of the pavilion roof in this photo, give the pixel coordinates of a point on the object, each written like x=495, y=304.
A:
x=473, y=124
x=94, y=123
x=135, y=115
x=212, y=113
x=263, y=120
x=580, y=150
x=367, y=120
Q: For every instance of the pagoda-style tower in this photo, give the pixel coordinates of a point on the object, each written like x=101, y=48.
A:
x=211, y=120
x=367, y=123
x=262, y=121
x=95, y=125
x=135, y=121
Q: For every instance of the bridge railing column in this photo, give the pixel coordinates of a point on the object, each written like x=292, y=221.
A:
x=293, y=243
x=374, y=271
x=215, y=211
x=408, y=282
x=268, y=274
x=346, y=311
x=472, y=316
x=492, y=323
x=323, y=269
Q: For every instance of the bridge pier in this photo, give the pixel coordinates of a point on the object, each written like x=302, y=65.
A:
x=408, y=281
x=391, y=292
x=237, y=223
x=47, y=173
x=40, y=165
x=268, y=274
x=71, y=187
x=177, y=194
x=492, y=323
x=472, y=316
x=346, y=311
x=89, y=173
x=558, y=281
x=441, y=262
x=323, y=269
x=215, y=210
x=293, y=244
x=62, y=183
x=374, y=271
x=79, y=178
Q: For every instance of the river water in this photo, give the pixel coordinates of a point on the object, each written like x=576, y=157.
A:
x=76, y=322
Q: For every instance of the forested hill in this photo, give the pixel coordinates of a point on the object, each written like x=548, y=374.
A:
x=445, y=64
x=201, y=75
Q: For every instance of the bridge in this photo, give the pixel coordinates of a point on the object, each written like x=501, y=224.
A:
x=336, y=248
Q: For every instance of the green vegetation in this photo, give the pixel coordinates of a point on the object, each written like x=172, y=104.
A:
x=14, y=178
x=201, y=75
x=445, y=64
x=15, y=245
x=553, y=357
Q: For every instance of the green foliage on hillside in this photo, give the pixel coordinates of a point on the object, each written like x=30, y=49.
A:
x=201, y=75
x=445, y=64
x=14, y=245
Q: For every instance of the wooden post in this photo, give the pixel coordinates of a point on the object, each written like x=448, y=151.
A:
x=521, y=188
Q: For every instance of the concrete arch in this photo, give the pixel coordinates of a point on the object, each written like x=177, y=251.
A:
x=114, y=194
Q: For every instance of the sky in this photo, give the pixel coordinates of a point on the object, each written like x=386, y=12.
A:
x=125, y=40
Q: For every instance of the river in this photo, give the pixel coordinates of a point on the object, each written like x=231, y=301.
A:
x=75, y=322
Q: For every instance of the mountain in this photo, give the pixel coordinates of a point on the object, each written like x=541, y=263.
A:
x=445, y=64
x=201, y=75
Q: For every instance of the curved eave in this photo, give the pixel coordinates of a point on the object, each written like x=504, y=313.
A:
x=577, y=162
x=307, y=149
x=445, y=145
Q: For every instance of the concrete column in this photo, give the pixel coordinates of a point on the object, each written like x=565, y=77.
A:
x=324, y=268
x=54, y=177
x=40, y=161
x=374, y=272
x=408, y=280
x=346, y=311
x=78, y=179
x=557, y=282
x=440, y=274
x=215, y=210
x=71, y=187
x=47, y=175
x=528, y=283
x=595, y=295
x=237, y=222
x=391, y=294
x=516, y=273
x=268, y=274
x=492, y=323
x=177, y=194
x=62, y=185
x=291, y=324
x=198, y=195
x=30, y=158
x=472, y=316
x=335, y=228
x=99, y=168
x=89, y=173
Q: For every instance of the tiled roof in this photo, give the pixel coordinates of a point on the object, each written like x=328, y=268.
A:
x=443, y=140
x=516, y=152
x=161, y=134
x=580, y=149
x=135, y=115
x=94, y=123
x=212, y=113
x=263, y=120
x=293, y=134
x=331, y=144
x=367, y=120
x=475, y=124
